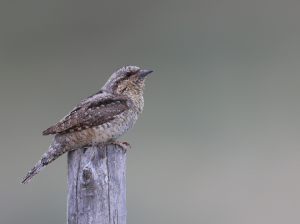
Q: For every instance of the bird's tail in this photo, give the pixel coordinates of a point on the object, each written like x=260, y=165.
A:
x=34, y=171
x=56, y=149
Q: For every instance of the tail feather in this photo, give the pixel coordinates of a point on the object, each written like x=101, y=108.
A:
x=34, y=171
x=56, y=149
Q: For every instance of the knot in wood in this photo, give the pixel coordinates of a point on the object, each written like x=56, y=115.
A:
x=87, y=175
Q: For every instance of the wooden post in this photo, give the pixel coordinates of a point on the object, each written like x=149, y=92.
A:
x=97, y=185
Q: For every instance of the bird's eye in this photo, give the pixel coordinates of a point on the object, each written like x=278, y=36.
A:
x=128, y=74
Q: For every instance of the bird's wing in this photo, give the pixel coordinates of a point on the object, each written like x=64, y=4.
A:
x=91, y=112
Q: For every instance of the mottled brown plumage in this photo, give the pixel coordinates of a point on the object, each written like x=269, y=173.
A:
x=89, y=114
x=100, y=118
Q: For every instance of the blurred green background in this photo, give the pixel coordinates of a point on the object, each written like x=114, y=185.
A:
x=218, y=141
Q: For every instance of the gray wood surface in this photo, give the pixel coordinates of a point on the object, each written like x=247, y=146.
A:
x=97, y=185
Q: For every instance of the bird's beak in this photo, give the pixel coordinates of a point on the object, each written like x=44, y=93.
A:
x=144, y=73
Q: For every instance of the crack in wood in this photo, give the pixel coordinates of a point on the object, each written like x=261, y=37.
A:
x=97, y=185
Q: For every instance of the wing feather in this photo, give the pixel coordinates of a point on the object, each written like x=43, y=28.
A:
x=91, y=112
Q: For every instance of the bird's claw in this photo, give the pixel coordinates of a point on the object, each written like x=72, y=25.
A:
x=126, y=143
x=123, y=145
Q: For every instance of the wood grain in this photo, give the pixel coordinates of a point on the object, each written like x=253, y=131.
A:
x=97, y=185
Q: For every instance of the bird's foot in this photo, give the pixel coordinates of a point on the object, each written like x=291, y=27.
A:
x=123, y=145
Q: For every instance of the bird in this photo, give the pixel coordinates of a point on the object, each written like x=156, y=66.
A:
x=99, y=119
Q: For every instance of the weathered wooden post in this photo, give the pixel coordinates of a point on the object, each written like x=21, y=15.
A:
x=97, y=185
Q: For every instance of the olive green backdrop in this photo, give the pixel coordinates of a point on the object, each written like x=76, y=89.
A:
x=218, y=141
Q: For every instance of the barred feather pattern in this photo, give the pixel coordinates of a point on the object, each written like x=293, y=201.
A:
x=101, y=134
x=99, y=119
x=56, y=149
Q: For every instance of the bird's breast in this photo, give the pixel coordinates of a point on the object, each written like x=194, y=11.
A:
x=115, y=128
x=108, y=131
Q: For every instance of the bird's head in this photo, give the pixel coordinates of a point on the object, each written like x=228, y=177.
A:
x=128, y=80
